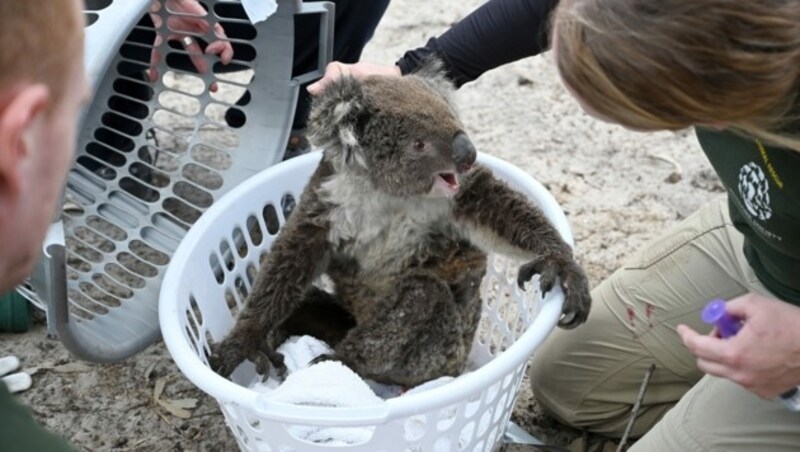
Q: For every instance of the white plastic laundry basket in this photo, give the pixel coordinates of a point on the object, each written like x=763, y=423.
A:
x=213, y=269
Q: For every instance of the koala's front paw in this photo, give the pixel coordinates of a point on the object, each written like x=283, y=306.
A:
x=239, y=346
x=574, y=284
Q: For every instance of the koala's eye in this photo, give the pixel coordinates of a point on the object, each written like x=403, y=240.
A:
x=419, y=145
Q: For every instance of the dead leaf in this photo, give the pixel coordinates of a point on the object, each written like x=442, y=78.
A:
x=149, y=372
x=159, y=389
x=173, y=409
x=177, y=407
x=184, y=403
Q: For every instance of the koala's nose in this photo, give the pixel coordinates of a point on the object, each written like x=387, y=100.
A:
x=464, y=152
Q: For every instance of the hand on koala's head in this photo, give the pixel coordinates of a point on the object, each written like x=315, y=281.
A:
x=336, y=70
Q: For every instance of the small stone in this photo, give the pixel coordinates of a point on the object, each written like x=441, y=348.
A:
x=524, y=81
x=673, y=178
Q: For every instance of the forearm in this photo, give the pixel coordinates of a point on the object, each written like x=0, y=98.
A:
x=501, y=218
x=294, y=261
x=497, y=33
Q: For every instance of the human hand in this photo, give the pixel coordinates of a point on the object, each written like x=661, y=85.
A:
x=16, y=382
x=764, y=357
x=336, y=70
x=181, y=28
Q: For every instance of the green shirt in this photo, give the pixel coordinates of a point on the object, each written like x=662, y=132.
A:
x=763, y=184
x=19, y=432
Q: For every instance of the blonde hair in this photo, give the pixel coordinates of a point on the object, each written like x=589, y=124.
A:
x=672, y=64
x=40, y=41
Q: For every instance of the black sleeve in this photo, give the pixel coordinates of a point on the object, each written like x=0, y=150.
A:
x=499, y=32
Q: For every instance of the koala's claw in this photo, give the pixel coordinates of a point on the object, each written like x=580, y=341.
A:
x=577, y=298
x=574, y=284
x=545, y=268
x=228, y=354
x=322, y=358
x=225, y=359
x=261, y=362
x=272, y=358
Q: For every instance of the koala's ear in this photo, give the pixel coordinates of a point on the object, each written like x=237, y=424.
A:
x=337, y=119
x=432, y=72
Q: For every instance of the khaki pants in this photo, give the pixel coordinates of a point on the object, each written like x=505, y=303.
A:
x=590, y=377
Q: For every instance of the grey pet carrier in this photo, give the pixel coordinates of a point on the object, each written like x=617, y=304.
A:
x=153, y=155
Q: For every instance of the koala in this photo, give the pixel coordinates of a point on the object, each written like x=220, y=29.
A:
x=400, y=218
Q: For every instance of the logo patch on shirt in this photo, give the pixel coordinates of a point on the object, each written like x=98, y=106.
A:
x=754, y=190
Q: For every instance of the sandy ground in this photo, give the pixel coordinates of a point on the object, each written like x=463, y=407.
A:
x=618, y=188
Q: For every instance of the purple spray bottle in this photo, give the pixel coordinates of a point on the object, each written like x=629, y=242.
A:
x=714, y=314
x=728, y=325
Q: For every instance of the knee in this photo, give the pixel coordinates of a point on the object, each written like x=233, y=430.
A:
x=550, y=389
x=423, y=286
x=586, y=394
x=565, y=384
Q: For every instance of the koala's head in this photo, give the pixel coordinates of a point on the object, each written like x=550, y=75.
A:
x=402, y=133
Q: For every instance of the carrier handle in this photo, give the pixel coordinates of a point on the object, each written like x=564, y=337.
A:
x=77, y=341
x=326, y=25
x=48, y=290
x=58, y=309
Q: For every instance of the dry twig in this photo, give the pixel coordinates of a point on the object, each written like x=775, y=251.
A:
x=636, y=406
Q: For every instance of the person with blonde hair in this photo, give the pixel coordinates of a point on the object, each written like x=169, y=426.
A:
x=42, y=88
x=730, y=70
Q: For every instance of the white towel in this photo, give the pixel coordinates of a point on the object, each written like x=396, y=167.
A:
x=298, y=351
x=342, y=388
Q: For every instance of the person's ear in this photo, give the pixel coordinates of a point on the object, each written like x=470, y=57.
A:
x=17, y=119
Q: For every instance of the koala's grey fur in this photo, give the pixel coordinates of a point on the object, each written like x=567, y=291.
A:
x=405, y=250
